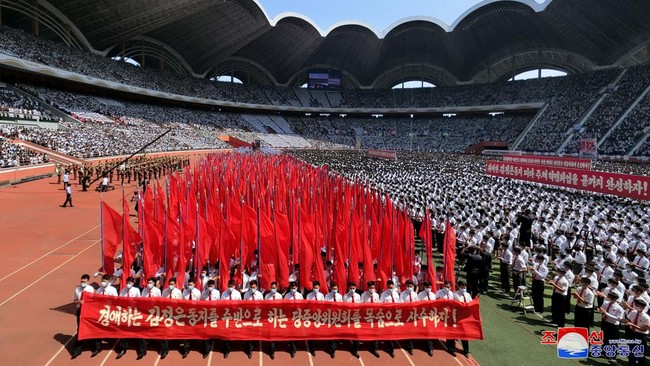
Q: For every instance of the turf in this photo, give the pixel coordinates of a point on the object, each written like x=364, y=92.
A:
x=511, y=338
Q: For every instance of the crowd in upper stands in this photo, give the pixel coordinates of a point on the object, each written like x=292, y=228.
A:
x=118, y=126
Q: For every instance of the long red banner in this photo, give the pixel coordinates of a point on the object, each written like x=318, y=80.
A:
x=282, y=320
x=552, y=161
x=624, y=185
x=383, y=154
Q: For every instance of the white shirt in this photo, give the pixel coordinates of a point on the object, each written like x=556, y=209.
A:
x=193, y=294
x=370, y=297
x=108, y=291
x=172, y=294
x=335, y=297
x=231, y=294
x=563, y=283
x=130, y=292
x=68, y=190
x=424, y=296
x=211, y=295
x=318, y=296
x=105, y=181
x=253, y=295
x=154, y=292
x=444, y=294
x=408, y=296
x=613, y=312
x=580, y=258
x=506, y=257
x=463, y=296
x=273, y=296
x=588, y=295
x=79, y=290
x=641, y=319
x=605, y=274
x=352, y=297
x=641, y=262
x=293, y=296
x=540, y=271
x=390, y=296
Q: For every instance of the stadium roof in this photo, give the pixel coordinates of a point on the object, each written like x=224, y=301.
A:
x=491, y=40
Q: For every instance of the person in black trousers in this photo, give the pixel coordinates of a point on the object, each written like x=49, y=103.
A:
x=560, y=287
x=68, y=195
x=473, y=265
x=539, y=273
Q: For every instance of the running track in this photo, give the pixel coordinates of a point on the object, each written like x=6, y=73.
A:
x=46, y=248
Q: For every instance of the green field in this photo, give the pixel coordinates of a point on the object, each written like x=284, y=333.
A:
x=511, y=338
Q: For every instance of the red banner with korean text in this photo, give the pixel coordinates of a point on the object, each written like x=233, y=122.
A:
x=382, y=154
x=282, y=320
x=552, y=161
x=624, y=185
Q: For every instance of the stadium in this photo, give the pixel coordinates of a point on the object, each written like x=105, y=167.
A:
x=467, y=192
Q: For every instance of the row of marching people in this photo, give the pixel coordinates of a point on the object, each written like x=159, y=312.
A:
x=211, y=293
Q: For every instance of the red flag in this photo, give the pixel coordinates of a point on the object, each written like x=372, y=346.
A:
x=111, y=236
x=306, y=233
x=355, y=254
x=267, y=255
x=283, y=241
x=426, y=235
x=173, y=249
x=153, y=245
x=129, y=245
x=450, y=254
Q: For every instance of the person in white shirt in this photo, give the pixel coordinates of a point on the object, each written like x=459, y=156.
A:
x=463, y=296
x=570, y=277
x=209, y=294
x=314, y=295
x=579, y=259
x=444, y=293
x=333, y=296
x=77, y=298
x=292, y=295
x=640, y=261
x=612, y=314
x=539, y=273
x=621, y=259
x=104, y=187
x=253, y=294
x=130, y=291
x=193, y=294
x=604, y=274
x=150, y=290
x=427, y=295
x=353, y=297
x=68, y=195
x=231, y=294
x=560, y=287
x=506, y=260
x=409, y=294
x=584, y=295
x=273, y=295
x=106, y=288
x=371, y=297
x=637, y=325
x=390, y=295
x=171, y=292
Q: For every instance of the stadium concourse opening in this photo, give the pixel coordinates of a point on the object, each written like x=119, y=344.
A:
x=200, y=180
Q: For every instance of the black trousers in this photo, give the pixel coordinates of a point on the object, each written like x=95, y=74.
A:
x=472, y=283
x=68, y=199
x=451, y=345
x=567, y=301
x=601, y=300
x=537, y=294
x=558, y=314
x=505, y=279
x=123, y=345
x=517, y=280
x=610, y=332
x=292, y=347
x=207, y=346
x=633, y=360
x=583, y=317
x=77, y=345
